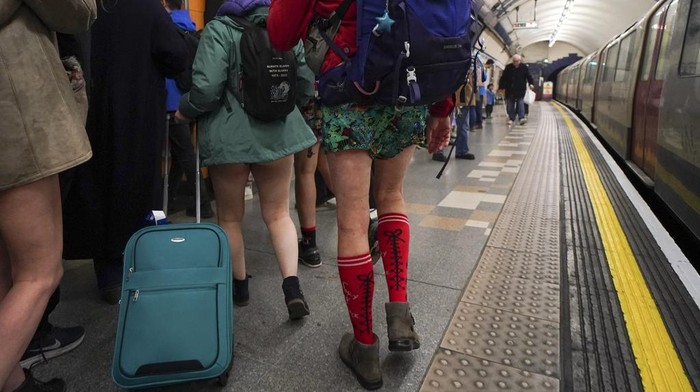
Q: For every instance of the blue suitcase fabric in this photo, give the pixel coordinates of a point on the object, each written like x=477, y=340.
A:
x=176, y=312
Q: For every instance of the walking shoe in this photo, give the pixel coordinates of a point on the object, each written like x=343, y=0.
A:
x=468, y=155
x=400, y=325
x=294, y=298
x=55, y=342
x=523, y=121
x=241, y=296
x=439, y=156
x=31, y=384
x=373, y=239
x=308, y=255
x=363, y=360
x=510, y=122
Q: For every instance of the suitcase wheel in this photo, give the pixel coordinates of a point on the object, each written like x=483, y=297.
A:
x=222, y=380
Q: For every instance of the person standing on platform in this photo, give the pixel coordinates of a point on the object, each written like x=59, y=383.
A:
x=462, y=98
x=42, y=135
x=490, y=100
x=514, y=81
x=355, y=137
x=235, y=143
x=135, y=46
x=180, y=135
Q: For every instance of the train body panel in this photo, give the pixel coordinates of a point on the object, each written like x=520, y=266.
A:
x=642, y=94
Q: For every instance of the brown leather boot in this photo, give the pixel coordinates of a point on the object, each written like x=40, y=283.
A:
x=400, y=325
x=363, y=360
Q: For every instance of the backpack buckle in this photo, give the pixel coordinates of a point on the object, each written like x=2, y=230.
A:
x=411, y=75
x=400, y=103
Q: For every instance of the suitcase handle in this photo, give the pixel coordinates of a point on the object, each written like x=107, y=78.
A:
x=154, y=369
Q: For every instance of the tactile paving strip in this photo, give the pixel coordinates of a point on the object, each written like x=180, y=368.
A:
x=510, y=339
x=453, y=371
x=504, y=334
x=519, y=296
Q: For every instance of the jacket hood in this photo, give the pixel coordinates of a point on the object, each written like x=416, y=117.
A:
x=240, y=7
x=183, y=20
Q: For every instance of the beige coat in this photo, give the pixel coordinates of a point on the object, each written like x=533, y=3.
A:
x=41, y=129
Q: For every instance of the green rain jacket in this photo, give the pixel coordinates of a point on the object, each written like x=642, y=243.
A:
x=231, y=136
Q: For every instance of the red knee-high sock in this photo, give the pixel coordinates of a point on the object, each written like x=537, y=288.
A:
x=357, y=278
x=394, y=235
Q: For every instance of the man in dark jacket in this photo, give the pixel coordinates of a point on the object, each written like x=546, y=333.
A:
x=134, y=47
x=514, y=81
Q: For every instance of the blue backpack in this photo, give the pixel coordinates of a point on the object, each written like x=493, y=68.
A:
x=409, y=52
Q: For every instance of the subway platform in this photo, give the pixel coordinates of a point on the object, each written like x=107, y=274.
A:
x=535, y=267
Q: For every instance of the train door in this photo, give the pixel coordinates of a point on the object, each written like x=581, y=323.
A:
x=647, y=98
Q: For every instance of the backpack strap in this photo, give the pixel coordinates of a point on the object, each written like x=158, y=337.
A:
x=335, y=17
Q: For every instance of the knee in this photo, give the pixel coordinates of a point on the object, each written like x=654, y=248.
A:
x=386, y=197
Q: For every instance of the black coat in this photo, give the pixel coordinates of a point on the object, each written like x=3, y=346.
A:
x=514, y=80
x=134, y=46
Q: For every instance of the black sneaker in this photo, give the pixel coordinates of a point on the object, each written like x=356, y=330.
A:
x=31, y=384
x=439, y=156
x=56, y=342
x=294, y=298
x=309, y=256
x=468, y=155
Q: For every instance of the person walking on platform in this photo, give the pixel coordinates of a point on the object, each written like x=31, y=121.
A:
x=355, y=136
x=236, y=141
x=180, y=135
x=135, y=46
x=43, y=135
x=305, y=164
x=514, y=81
x=463, y=110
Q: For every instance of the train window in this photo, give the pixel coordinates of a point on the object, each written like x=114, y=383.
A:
x=665, y=41
x=611, y=63
x=590, y=71
x=690, y=61
x=654, y=27
x=624, y=62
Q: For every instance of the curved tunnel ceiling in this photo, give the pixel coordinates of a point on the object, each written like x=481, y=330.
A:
x=589, y=25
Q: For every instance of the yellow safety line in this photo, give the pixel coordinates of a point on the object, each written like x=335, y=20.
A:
x=659, y=365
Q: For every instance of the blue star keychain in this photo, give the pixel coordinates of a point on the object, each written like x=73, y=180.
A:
x=384, y=23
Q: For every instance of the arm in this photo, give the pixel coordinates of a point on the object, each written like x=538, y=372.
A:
x=70, y=16
x=439, y=124
x=167, y=45
x=287, y=22
x=210, y=71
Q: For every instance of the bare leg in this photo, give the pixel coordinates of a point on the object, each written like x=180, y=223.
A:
x=229, y=187
x=388, y=182
x=273, y=179
x=324, y=169
x=350, y=172
x=31, y=236
x=305, y=186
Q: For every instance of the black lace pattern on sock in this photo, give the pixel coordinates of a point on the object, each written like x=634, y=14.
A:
x=397, y=283
x=364, y=321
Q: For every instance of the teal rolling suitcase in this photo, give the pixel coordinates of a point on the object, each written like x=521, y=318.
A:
x=176, y=311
